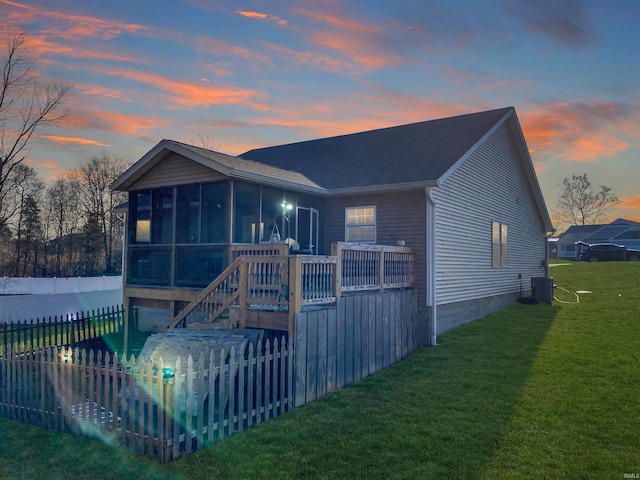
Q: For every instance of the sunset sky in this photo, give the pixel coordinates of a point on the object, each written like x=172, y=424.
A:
x=246, y=74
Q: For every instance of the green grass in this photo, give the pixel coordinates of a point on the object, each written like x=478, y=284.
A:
x=534, y=391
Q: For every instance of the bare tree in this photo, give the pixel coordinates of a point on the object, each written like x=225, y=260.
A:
x=205, y=142
x=21, y=209
x=64, y=221
x=580, y=203
x=25, y=106
x=95, y=177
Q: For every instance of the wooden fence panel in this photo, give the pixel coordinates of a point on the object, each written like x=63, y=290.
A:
x=360, y=336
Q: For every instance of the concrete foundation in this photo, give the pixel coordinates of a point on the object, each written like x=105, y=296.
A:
x=454, y=314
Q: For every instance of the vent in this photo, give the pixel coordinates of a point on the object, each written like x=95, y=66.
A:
x=542, y=289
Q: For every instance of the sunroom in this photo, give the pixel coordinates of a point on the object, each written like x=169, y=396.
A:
x=182, y=236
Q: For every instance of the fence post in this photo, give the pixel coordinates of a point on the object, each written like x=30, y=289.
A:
x=167, y=412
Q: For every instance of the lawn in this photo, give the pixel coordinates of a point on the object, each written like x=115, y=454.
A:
x=534, y=391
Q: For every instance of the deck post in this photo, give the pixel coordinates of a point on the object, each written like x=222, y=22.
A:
x=295, y=290
x=243, y=286
x=337, y=278
x=336, y=251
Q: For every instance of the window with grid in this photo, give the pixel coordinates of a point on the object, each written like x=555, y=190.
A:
x=360, y=224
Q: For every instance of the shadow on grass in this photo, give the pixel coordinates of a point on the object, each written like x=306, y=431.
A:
x=441, y=413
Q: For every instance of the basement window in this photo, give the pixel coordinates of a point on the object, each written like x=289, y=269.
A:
x=360, y=224
x=499, y=250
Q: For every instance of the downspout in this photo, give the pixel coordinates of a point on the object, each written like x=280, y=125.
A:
x=431, y=263
x=546, y=254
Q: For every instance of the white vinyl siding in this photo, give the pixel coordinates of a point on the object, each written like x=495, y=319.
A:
x=490, y=185
x=360, y=224
x=176, y=170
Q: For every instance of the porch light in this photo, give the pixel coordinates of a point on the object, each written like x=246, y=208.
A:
x=286, y=208
x=167, y=372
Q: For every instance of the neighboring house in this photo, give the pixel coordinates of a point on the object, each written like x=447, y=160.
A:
x=569, y=246
x=577, y=237
x=620, y=231
x=461, y=191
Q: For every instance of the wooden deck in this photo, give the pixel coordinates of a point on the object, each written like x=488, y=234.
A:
x=265, y=288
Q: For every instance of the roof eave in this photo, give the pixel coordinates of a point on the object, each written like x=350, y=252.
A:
x=276, y=182
x=387, y=188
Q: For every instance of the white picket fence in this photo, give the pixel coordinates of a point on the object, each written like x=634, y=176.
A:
x=150, y=409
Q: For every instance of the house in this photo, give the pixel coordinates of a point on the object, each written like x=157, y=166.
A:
x=577, y=237
x=620, y=231
x=460, y=192
x=569, y=246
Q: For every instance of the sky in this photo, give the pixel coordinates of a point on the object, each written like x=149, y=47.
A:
x=237, y=75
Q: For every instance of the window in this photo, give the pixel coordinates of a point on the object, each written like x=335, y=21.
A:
x=188, y=220
x=360, y=224
x=499, y=251
x=247, y=213
x=141, y=203
x=213, y=218
x=162, y=216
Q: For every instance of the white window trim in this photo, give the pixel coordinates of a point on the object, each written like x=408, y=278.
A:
x=347, y=226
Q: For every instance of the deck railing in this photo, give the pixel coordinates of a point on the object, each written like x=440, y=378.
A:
x=374, y=267
x=288, y=283
x=258, y=249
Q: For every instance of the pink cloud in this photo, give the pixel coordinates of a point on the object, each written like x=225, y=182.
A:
x=338, y=21
x=262, y=16
x=69, y=25
x=186, y=94
x=301, y=57
x=39, y=46
x=110, y=121
x=224, y=49
x=578, y=132
x=74, y=140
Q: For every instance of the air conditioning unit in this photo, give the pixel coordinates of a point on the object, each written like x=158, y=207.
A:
x=542, y=289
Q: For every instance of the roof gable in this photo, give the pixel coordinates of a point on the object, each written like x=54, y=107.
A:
x=227, y=165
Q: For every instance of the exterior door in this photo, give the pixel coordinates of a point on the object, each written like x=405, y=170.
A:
x=307, y=230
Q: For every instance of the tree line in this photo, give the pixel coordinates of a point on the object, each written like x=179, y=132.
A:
x=65, y=228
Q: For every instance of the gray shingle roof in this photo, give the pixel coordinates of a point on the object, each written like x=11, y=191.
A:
x=576, y=233
x=605, y=234
x=418, y=152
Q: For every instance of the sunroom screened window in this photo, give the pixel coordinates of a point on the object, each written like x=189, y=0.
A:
x=360, y=224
